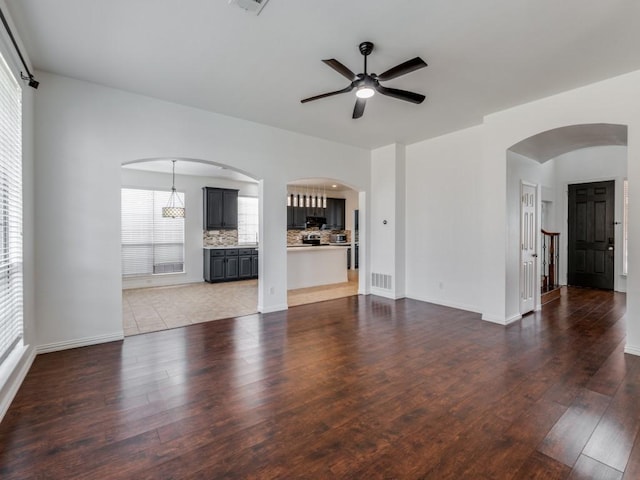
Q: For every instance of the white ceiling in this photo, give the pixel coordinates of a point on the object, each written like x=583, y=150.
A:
x=483, y=56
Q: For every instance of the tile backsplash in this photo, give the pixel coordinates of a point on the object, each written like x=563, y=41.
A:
x=220, y=238
x=294, y=237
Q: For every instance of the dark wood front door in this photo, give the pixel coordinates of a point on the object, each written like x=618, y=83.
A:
x=591, y=237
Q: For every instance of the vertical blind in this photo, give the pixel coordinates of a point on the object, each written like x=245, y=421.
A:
x=151, y=244
x=11, y=302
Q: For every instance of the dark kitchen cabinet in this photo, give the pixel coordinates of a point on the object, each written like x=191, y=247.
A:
x=296, y=218
x=214, y=265
x=220, y=208
x=232, y=267
x=217, y=265
x=335, y=213
x=254, y=265
x=245, y=263
x=229, y=264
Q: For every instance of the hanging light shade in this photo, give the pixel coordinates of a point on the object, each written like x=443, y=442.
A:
x=175, y=207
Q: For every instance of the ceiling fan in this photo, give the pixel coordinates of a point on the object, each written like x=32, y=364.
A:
x=366, y=84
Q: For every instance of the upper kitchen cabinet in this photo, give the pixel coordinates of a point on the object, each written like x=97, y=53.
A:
x=296, y=218
x=220, y=208
x=335, y=213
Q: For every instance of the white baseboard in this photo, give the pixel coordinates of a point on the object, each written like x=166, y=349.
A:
x=632, y=350
x=501, y=320
x=380, y=292
x=23, y=364
x=80, y=342
x=436, y=301
x=274, y=308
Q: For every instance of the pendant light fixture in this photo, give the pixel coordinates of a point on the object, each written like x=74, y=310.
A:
x=175, y=207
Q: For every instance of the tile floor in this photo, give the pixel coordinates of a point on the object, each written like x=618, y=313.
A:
x=161, y=308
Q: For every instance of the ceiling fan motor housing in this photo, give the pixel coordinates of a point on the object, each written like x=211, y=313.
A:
x=366, y=48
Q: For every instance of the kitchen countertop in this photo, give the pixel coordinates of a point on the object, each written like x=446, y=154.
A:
x=215, y=247
x=293, y=248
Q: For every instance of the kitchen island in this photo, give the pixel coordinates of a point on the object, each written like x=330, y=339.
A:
x=310, y=266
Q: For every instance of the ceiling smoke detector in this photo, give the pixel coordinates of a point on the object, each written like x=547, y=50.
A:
x=251, y=6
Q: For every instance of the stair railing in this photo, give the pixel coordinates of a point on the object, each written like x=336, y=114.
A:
x=550, y=260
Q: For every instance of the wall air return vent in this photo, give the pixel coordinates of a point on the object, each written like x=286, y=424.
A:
x=381, y=280
x=251, y=6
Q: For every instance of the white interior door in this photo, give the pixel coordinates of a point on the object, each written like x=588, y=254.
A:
x=528, y=250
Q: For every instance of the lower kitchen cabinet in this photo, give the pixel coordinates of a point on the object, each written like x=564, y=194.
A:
x=245, y=256
x=254, y=264
x=229, y=264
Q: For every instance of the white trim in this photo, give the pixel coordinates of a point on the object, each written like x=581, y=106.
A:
x=501, y=320
x=459, y=306
x=632, y=350
x=386, y=293
x=16, y=378
x=272, y=309
x=80, y=342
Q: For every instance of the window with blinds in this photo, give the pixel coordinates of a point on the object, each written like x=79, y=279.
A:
x=247, y=220
x=151, y=244
x=11, y=302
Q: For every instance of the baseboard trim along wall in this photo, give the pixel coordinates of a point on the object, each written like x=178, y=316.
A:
x=632, y=350
x=437, y=301
x=501, y=321
x=275, y=308
x=80, y=342
x=380, y=292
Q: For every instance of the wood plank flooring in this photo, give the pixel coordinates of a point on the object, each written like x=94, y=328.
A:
x=352, y=388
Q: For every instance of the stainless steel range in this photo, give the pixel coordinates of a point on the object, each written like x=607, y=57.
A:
x=311, y=239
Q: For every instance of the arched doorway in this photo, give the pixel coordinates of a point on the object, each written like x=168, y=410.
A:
x=324, y=211
x=552, y=161
x=169, y=290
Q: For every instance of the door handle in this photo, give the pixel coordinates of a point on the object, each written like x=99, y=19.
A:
x=535, y=255
x=610, y=248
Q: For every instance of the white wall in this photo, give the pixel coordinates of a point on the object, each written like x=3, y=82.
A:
x=388, y=218
x=84, y=132
x=191, y=186
x=611, y=101
x=444, y=219
x=583, y=166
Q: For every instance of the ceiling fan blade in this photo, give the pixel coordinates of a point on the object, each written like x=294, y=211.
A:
x=329, y=94
x=358, y=109
x=402, y=69
x=341, y=69
x=400, y=94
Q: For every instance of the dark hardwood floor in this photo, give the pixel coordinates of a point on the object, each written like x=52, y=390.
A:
x=354, y=388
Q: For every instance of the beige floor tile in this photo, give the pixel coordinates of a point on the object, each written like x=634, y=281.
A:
x=159, y=308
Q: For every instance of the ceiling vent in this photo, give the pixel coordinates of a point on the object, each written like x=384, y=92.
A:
x=251, y=6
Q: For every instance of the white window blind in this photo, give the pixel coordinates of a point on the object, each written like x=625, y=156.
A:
x=11, y=302
x=151, y=244
x=248, y=216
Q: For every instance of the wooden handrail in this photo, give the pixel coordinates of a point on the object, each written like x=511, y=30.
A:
x=550, y=250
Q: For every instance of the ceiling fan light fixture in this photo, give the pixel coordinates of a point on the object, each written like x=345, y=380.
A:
x=365, y=92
